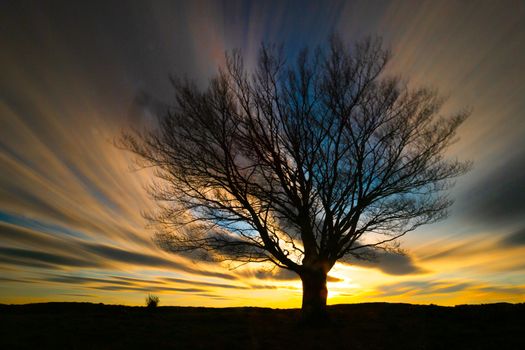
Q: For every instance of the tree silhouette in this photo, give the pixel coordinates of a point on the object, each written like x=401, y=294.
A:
x=299, y=164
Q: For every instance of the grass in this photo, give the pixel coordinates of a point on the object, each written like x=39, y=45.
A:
x=354, y=326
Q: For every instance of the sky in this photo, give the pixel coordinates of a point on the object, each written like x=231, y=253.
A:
x=72, y=78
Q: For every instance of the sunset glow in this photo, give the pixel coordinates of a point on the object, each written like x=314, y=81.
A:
x=71, y=202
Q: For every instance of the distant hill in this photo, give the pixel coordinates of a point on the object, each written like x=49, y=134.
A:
x=353, y=326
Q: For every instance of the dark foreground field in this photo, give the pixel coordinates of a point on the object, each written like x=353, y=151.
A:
x=357, y=326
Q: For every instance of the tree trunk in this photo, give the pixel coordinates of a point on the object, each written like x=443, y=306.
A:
x=314, y=295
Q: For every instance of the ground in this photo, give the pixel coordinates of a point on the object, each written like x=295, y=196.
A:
x=353, y=326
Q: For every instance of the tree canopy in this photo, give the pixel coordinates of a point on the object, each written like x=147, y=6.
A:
x=299, y=162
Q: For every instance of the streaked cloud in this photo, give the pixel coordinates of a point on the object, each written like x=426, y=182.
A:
x=445, y=289
x=70, y=204
x=27, y=256
x=514, y=239
x=421, y=287
x=390, y=263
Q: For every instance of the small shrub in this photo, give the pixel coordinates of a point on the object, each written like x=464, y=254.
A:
x=152, y=301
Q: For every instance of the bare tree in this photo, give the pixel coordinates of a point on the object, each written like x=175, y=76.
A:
x=299, y=164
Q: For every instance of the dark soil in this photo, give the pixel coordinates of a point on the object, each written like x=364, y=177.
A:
x=354, y=326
